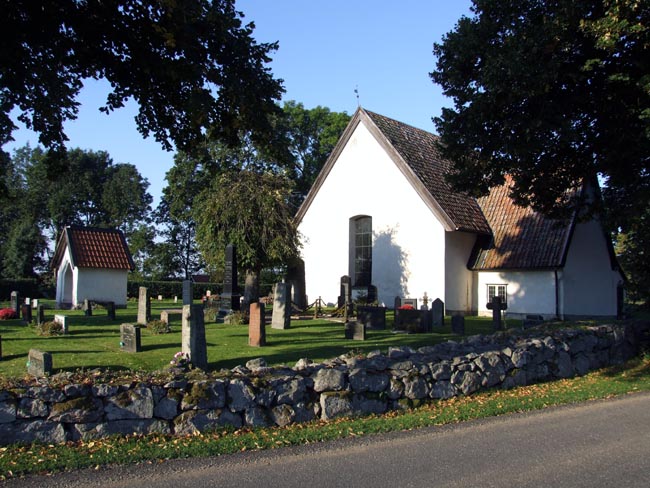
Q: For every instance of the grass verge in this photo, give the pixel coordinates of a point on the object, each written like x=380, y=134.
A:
x=634, y=376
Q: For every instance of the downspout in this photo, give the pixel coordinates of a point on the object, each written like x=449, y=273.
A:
x=557, y=296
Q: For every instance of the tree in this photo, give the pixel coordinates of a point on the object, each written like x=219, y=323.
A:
x=250, y=210
x=192, y=67
x=554, y=93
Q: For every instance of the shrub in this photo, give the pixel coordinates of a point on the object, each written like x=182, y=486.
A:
x=8, y=314
x=49, y=328
x=210, y=314
x=158, y=327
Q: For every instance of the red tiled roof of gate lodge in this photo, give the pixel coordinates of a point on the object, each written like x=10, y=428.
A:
x=95, y=248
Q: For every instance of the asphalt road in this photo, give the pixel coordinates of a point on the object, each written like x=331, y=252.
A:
x=596, y=444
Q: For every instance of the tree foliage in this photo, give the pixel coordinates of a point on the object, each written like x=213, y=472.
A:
x=191, y=65
x=553, y=92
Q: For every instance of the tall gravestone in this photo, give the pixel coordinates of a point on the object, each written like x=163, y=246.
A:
x=144, y=306
x=281, y=317
x=130, y=338
x=398, y=303
x=230, y=295
x=15, y=302
x=40, y=315
x=193, y=336
x=346, y=291
x=438, y=313
x=26, y=312
x=496, y=306
x=256, y=325
x=296, y=278
x=188, y=292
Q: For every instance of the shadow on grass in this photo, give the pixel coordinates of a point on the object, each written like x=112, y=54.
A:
x=633, y=370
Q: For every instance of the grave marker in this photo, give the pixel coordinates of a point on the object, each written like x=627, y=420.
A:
x=355, y=331
x=39, y=363
x=26, y=313
x=496, y=306
x=188, y=292
x=87, y=308
x=458, y=325
x=63, y=320
x=425, y=302
x=296, y=278
x=230, y=296
x=131, y=338
x=15, y=302
x=40, y=314
x=346, y=291
x=110, y=310
x=144, y=306
x=281, y=317
x=193, y=336
x=35, y=303
x=160, y=298
x=413, y=302
x=256, y=325
x=373, y=317
x=438, y=313
x=397, y=303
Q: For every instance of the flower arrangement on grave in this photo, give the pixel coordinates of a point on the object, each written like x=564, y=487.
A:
x=49, y=329
x=406, y=307
x=181, y=360
x=8, y=314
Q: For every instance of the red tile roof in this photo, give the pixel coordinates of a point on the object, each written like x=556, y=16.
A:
x=522, y=238
x=419, y=150
x=94, y=248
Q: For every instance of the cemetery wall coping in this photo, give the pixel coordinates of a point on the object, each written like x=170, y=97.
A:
x=62, y=408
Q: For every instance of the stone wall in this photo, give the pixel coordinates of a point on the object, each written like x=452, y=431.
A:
x=52, y=410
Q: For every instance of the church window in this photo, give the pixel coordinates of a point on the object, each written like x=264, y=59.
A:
x=361, y=250
x=497, y=290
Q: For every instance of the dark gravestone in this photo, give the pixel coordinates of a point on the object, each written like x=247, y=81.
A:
x=355, y=331
x=374, y=318
x=193, y=336
x=131, y=339
x=346, y=291
x=188, y=292
x=458, y=325
x=496, y=306
x=40, y=315
x=230, y=295
x=26, y=312
x=15, y=302
x=296, y=278
x=256, y=325
x=281, y=317
x=427, y=319
x=110, y=310
x=87, y=308
x=144, y=306
x=438, y=313
x=398, y=303
x=39, y=363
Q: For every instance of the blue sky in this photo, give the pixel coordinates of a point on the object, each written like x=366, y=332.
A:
x=327, y=50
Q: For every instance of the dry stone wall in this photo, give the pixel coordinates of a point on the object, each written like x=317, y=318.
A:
x=53, y=411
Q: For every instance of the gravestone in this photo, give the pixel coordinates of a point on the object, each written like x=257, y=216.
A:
x=425, y=302
x=131, y=338
x=397, y=303
x=346, y=291
x=87, y=308
x=496, y=306
x=256, y=325
x=296, y=278
x=26, y=313
x=458, y=325
x=160, y=298
x=35, y=303
x=40, y=314
x=208, y=293
x=373, y=317
x=188, y=292
x=230, y=295
x=355, y=331
x=63, y=320
x=28, y=301
x=175, y=299
x=193, y=336
x=438, y=313
x=15, y=302
x=144, y=306
x=110, y=310
x=427, y=319
x=281, y=317
x=39, y=363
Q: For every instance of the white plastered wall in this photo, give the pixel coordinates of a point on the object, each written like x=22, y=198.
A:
x=528, y=292
x=105, y=285
x=588, y=282
x=408, y=241
x=459, y=293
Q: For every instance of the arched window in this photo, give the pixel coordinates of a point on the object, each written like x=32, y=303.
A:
x=361, y=250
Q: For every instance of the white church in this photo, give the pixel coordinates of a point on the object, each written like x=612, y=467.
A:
x=382, y=213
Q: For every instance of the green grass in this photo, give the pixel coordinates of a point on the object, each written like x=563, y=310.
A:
x=94, y=342
x=21, y=460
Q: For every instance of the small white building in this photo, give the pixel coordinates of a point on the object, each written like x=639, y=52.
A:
x=382, y=213
x=91, y=263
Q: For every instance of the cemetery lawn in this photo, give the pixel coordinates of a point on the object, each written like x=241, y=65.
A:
x=632, y=377
x=94, y=342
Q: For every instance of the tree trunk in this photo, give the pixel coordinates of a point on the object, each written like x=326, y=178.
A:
x=251, y=288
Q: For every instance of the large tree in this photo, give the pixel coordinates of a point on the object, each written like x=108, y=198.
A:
x=250, y=210
x=191, y=65
x=553, y=92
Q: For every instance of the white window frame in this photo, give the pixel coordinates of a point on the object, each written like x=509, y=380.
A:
x=497, y=289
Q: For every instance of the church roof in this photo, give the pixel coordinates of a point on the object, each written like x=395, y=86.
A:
x=92, y=247
x=521, y=237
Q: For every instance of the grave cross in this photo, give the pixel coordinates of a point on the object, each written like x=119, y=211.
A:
x=496, y=306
